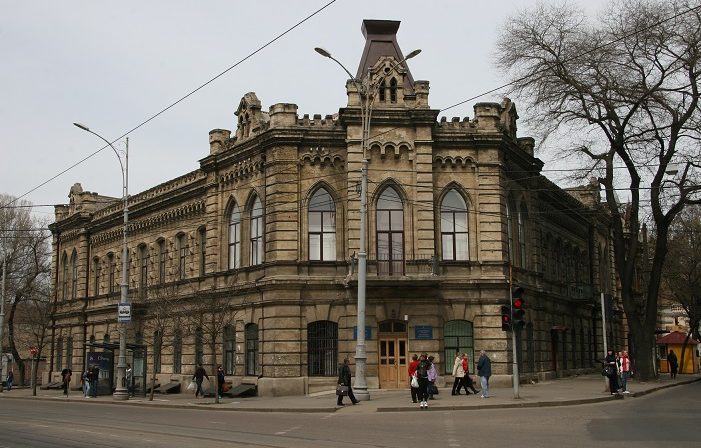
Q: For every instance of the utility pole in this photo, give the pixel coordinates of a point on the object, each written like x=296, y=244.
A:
x=2, y=315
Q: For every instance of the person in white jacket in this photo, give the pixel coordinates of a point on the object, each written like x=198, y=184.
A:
x=459, y=374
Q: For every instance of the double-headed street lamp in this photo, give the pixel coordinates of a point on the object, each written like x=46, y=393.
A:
x=366, y=89
x=121, y=391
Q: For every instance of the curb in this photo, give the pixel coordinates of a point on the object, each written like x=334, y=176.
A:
x=515, y=404
x=664, y=386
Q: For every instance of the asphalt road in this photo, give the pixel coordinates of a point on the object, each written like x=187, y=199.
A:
x=668, y=417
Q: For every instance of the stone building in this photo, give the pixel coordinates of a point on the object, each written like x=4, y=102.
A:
x=265, y=232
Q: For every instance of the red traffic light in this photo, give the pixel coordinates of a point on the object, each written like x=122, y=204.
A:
x=518, y=303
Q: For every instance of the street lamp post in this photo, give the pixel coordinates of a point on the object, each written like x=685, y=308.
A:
x=366, y=91
x=121, y=391
x=2, y=315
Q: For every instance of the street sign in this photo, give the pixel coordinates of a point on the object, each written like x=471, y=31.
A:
x=124, y=312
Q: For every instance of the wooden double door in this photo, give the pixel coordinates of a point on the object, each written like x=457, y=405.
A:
x=393, y=361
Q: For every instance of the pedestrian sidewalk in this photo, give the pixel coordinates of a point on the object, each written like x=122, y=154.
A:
x=560, y=392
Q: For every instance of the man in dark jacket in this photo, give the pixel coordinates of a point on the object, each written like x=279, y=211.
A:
x=344, y=378
x=673, y=364
x=612, y=371
x=199, y=376
x=484, y=370
x=422, y=375
x=220, y=381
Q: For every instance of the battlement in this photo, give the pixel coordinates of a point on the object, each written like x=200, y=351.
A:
x=456, y=123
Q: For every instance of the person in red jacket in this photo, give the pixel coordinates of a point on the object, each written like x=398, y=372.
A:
x=468, y=380
x=412, y=372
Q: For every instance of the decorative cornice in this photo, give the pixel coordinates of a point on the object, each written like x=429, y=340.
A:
x=241, y=170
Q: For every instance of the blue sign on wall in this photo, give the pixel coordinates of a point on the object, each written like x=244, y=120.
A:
x=424, y=332
x=368, y=332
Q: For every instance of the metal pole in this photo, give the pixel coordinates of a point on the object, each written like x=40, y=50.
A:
x=515, y=374
x=120, y=391
x=2, y=317
x=603, y=332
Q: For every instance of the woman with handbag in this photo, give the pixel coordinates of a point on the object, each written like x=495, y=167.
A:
x=344, y=384
x=432, y=375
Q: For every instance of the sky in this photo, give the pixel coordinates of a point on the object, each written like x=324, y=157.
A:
x=114, y=65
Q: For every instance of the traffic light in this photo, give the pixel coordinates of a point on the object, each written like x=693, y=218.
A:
x=506, y=318
x=518, y=313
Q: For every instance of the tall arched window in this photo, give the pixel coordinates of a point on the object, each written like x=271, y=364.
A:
x=64, y=276
x=199, y=346
x=381, y=90
x=454, y=231
x=111, y=267
x=235, y=238
x=522, y=216
x=143, y=268
x=510, y=228
x=393, y=90
x=390, y=232
x=177, y=352
x=97, y=272
x=69, y=352
x=74, y=275
x=322, y=226
x=157, y=347
x=256, y=232
x=229, y=350
x=322, y=348
x=162, y=256
x=202, y=243
x=251, y=349
x=59, y=353
x=458, y=338
x=182, y=255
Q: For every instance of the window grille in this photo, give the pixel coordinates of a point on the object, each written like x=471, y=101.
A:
x=322, y=348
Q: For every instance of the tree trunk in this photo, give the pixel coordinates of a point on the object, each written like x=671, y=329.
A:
x=684, y=345
x=644, y=341
x=34, y=375
x=11, y=339
x=153, y=385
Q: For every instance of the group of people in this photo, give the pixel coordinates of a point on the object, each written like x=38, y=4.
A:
x=618, y=368
x=89, y=381
x=201, y=374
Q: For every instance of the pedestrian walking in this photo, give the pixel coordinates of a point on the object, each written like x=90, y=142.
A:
x=459, y=375
x=673, y=364
x=422, y=377
x=432, y=375
x=412, y=373
x=610, y=367
x=10, y=379
x=344, y=379
x=484, y=371
x=94, y=380
x=220, y=382
x=66, y=379
x=85, y=382
x=626, y=371
x=198, y=377
x=469, y=384
x=130, y=381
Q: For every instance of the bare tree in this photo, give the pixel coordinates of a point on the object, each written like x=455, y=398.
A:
x=682, y=271
x=623, y=90
x=210, y=316
x=25, y=245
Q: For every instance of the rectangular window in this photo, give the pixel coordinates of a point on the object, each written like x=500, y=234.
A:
x=111, y=269
x=177, y=353
x=161, y=262
x=143, y=270
x=203, y=251
x=182, y=250
x=97, y=270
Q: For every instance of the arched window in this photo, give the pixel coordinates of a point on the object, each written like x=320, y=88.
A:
x=390, y=232
x=381, y=90
x=458, y=338
x=59, y=353
x=74, y=275
x=322, y=348
x=510, y=228
x=157, y=347
x=199, y=346
x=142, y=252
x=393, y=90
x=229, y=350
x=202, y=243
x=111, y=267
x=97, y=273
x=454, y=231
x=256, y=232
x=545, y=256
x=322, y=226
x=162, y=256
x=182, y=255
x=522, y=216
x=69, y=352
x=106, y=339
x=235, y=238
x=64, y=275
x=252, y=349
x=177, y=352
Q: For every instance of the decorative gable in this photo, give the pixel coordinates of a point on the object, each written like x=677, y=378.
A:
x=251, y=119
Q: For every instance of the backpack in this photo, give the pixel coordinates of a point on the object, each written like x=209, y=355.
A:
x=422, y=369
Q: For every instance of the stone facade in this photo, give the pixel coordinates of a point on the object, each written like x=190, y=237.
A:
x=266, y=230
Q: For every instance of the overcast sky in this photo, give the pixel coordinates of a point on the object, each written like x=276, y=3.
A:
x=112, y=65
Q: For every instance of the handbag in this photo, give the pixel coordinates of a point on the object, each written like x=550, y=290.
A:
x=414, y=382
x=433, y=389
x=342, y=390
x=607, y=371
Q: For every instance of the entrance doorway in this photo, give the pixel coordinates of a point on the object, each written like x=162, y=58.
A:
x=393, y=359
